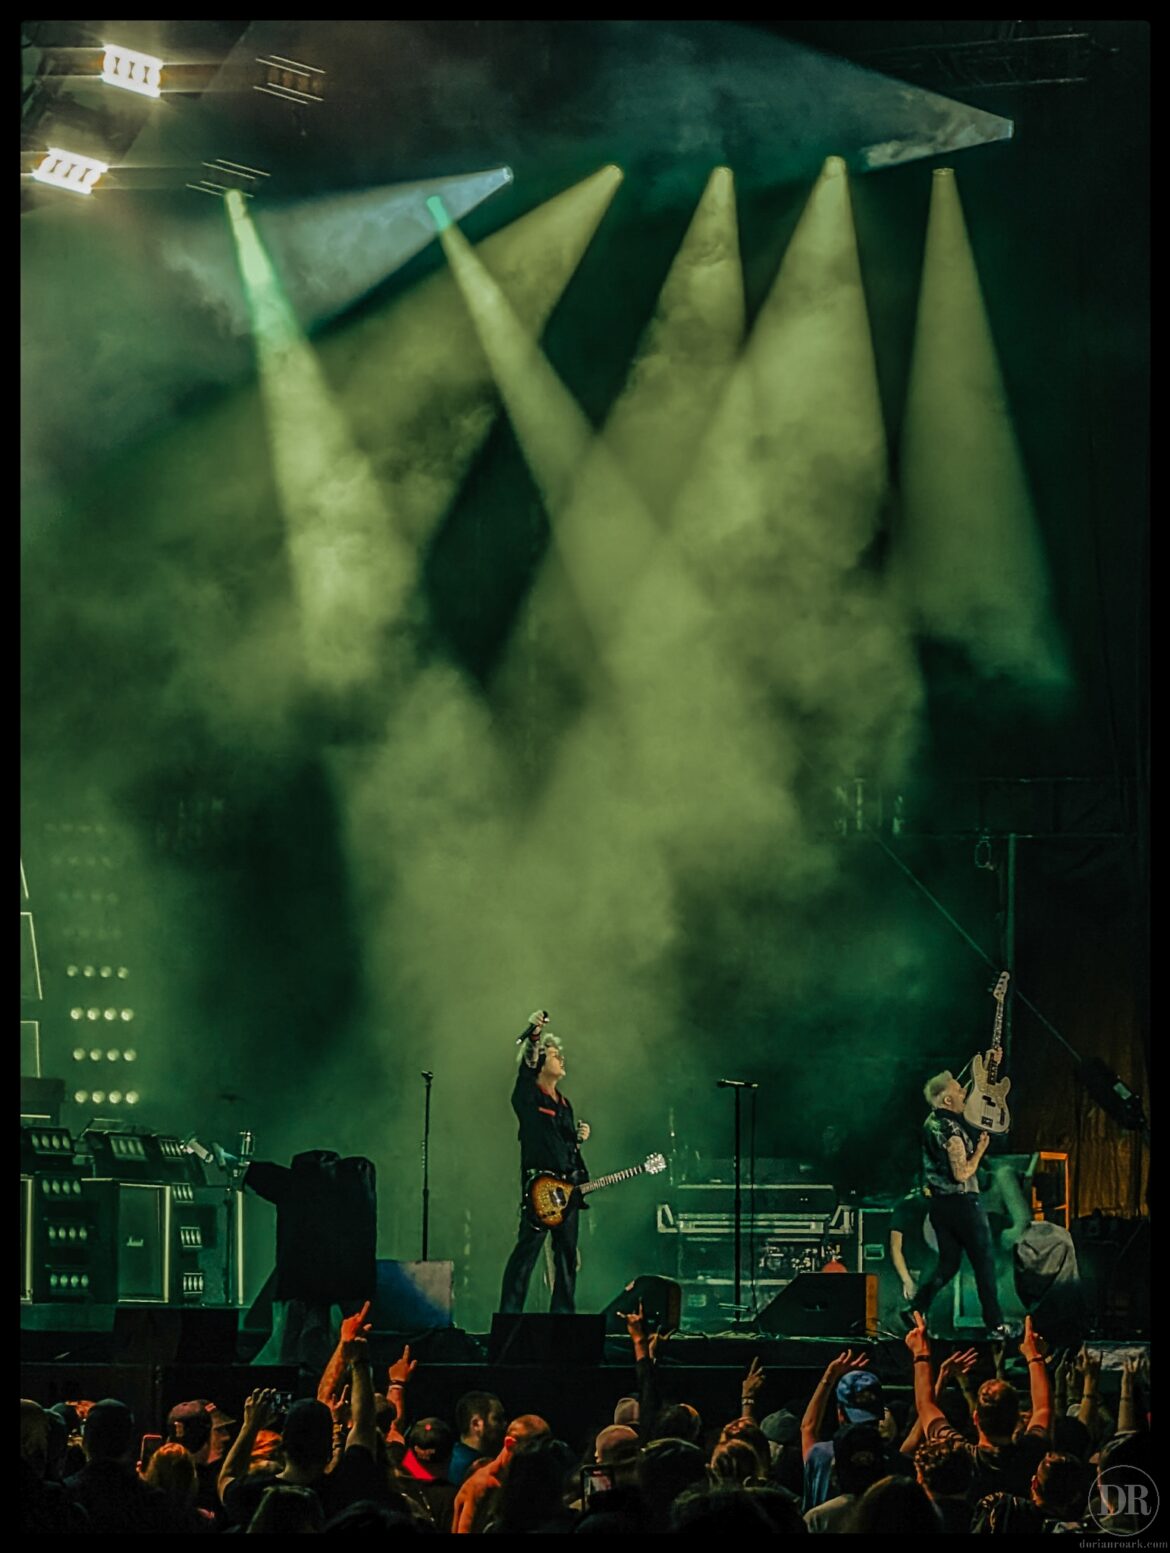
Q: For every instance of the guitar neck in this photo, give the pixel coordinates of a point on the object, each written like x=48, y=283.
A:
x=618, y=1175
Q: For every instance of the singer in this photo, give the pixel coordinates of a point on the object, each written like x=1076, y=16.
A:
x=549, y=1141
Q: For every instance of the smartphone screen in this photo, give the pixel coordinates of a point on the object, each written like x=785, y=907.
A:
x=150, y=1443
x=595, y=1480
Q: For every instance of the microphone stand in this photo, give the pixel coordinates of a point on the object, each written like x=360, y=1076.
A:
x=426, y=1164
x=737, y=1085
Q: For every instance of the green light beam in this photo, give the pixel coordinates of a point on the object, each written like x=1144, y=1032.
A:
x=969, y=552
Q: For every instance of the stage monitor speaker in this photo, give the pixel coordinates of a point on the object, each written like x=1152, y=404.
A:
x=661, y=1301
x=546, y=1339
x=132, y=1250
x=413, y=1296
x=175, y=1336
x=838, y=1305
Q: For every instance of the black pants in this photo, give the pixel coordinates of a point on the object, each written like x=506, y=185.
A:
x=960, y=1223
x=529, y=1243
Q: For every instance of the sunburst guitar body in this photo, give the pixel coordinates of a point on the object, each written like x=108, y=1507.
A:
x=550, y=1199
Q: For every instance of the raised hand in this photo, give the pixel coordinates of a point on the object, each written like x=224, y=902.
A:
x=959, y=1364
x=356, y=1326
x=752, y=1381
x=635, y=1323
x=917, y=1339
x=259, y=1410
x=403, y=1368
x=339, y=1407
x=844, y=1362
x=1032, y=1345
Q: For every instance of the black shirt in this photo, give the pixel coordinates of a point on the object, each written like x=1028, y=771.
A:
x=937, y=1131
x=116, y=1500
x=909, y=1219
x=548, y=1132
x=357, y=1476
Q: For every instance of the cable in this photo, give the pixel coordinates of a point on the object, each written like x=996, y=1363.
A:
x=963, y=934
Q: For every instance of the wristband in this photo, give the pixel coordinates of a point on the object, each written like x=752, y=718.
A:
x=396, y=1385
x=921, y=1358
x=1037, y=1359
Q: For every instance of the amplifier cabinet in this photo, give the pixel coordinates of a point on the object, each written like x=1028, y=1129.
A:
x=56, y=1239
x=132, y=1258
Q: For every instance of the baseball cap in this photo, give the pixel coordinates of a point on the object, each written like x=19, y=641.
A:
x=429, y=1446
x=183, y=1411
x=859, y=1395
x=857, y=1453
x=192, y=1422
x=781, y=1428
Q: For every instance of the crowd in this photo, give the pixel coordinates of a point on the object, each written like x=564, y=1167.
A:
x=968, y=1455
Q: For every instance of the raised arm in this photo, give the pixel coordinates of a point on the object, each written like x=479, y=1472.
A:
x=1032, y=1348
x=918, y=1343
x=331, y=1376
x=531, y=1054
x=749, y=1390
x=363, y=1429
x=398, y=1379
x=258, y=1412
x=649, y=1402
x=1129, y=1414
x=814, y=1414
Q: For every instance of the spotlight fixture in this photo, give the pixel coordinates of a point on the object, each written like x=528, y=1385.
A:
x=290, y=80
x=133, y=72
x=69, y=170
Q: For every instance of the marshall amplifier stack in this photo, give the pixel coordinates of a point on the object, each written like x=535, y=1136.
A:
x=118, y=1216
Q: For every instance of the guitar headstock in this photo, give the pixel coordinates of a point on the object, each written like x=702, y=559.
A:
x=999, y=991
x=655, y=1164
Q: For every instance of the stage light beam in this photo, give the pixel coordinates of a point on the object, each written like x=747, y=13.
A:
x=351, y=572
x=968, y=549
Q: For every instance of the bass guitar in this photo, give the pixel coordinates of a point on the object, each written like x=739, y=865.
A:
x=986, y=1104
x=549, y=1198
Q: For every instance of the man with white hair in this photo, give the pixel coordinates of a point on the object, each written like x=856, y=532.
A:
x=950, y=1164
x=549, y=1139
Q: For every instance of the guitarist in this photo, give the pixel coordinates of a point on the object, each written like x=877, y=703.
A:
x=549, y=1139
x=950, y=1162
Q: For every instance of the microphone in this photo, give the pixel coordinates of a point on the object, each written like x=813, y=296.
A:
x=736, y=1083
x=247, y=1140
x=532, y=1026
x=428, y=1076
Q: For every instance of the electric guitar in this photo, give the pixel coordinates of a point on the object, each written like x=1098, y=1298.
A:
x=986, y=1104
x=549, y=1198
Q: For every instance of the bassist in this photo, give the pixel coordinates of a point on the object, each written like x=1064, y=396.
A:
x=950, y=1163
x=549, y=1140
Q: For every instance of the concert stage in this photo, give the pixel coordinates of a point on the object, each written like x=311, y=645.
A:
x=112, y=1351
x=107, y=1351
